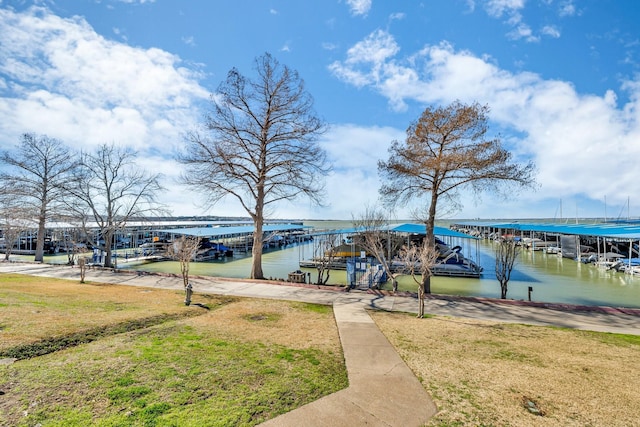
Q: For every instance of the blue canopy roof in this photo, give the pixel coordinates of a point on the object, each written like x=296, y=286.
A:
x=422, y=229
x=214, y=232
x=404, y=228
x=608, y=229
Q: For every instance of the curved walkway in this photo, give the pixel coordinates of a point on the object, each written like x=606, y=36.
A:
x=382, y=389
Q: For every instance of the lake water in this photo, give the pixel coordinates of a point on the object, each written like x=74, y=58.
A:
x=552, y=278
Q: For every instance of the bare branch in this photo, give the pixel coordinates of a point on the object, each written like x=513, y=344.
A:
x=184, y=250
x=35, y=174
x=373, y=236
x=446, y=150
x=109, y=189
x=506, y=252
x=261, y=145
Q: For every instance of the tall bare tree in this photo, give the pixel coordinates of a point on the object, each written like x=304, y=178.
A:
x=110, y=190
x=34, y=174
x=446, y=151
x=261, y=147
x=506, y=252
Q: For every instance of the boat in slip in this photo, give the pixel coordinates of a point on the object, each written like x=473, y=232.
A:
x=609, y=261
x=450, y=262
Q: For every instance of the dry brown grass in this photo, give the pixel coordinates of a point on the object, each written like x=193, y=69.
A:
x=485, y=373
x=63, y=306
x=34, y=308
x=295, y=325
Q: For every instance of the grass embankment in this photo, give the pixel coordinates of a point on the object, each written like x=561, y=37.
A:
x=493, y=374
x=134, y=356
x=245, y=360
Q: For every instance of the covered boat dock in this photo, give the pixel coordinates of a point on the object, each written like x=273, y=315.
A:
x=621, y=237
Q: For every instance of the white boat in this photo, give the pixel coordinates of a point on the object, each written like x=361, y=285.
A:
x=609, y=261
x=536, y=244
x=451, y=262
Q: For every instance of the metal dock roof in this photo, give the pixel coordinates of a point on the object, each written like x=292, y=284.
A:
x=609, y=230
x=214, y=232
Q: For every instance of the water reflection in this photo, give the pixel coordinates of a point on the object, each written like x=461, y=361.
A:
x=553, y=279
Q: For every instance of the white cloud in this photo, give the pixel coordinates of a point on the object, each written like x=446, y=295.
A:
x=522, y=31
x=581, y=143
x=498, y=8
x=551, y=31
x=471, y=6
x=353, y=151
x=511, y=10
x=329, y=46
x=359, y=7
x=352, y=147
x=59, y=78
x=68, y=82
x=567, y=8
x=137, y=1
x=365, y=58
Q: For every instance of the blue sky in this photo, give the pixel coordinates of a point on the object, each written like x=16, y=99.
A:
x=561, y=78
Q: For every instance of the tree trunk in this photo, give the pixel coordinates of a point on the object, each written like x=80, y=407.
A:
x=503, y=290
x=426, y=283
x=184, y=267
x=40, y=239
x=256, y=251
x=108, y=244
x=421, y=300
x=431, y=239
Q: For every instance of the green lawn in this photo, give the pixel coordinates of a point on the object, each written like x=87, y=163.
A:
x=216, y=367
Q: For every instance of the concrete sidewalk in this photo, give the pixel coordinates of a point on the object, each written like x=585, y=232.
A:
x=382, y=389
x=482, y=309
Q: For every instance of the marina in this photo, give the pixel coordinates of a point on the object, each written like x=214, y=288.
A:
x=551, y=277
x=610, y=245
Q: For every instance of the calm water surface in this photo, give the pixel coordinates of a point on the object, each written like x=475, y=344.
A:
x=552, y=278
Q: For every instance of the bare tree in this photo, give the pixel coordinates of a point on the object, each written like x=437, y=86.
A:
x=325, y=255
x=262, y=146
x=418, y=260
x=374, y=237
x=73, y=243
x=506, y=252
x=445, y=151
x=111, y=190
x=82, y=266
x=184, y=250
x=14, y=220
x=35, y=173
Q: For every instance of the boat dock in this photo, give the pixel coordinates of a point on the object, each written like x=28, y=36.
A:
x=597, y=242
x=450, y=242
